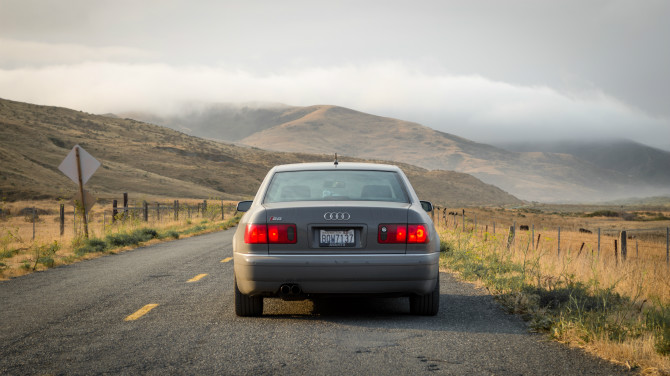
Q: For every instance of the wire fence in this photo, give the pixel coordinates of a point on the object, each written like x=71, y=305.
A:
x=621, y=245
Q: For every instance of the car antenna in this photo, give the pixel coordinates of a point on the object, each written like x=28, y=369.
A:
x=336, y=162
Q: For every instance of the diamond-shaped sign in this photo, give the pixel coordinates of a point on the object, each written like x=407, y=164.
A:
x=88, y=165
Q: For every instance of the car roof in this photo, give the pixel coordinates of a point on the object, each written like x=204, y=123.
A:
x=333, y=166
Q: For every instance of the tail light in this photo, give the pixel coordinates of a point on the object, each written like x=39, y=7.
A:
x=282, y=234
x=401, y=233
x=256, y=234
x=273, y=234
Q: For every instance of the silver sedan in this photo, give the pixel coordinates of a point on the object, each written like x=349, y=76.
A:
x=319, y=229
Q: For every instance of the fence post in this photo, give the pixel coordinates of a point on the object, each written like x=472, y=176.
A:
x=510, y=237
x=62, y=219
x=115, y=210
x=463, y=229
x=598, y=242
x=34, y=215
x=616, y=252
x=204, y=207
x=532, y=235
x=624, y=246
x=667, y=246
x=222, y=210
x=145, y=204
x=176, y=210
x=158, y=211
x=125, y=205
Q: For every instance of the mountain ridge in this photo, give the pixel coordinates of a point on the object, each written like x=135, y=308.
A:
x=154, y=162
x=531, y=175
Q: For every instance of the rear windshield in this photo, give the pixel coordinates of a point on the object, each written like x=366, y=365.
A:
x=338, y=185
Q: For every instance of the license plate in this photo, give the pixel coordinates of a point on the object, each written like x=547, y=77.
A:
x=339, y=238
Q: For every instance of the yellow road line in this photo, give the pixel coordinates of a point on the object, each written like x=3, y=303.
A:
x=197, y=278
x=141, y=312
x=226, y=259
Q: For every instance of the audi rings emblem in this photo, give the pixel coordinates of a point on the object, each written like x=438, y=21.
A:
x=336, y=216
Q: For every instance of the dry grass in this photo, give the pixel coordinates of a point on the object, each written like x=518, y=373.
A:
x=555, y=291
x=19, y=252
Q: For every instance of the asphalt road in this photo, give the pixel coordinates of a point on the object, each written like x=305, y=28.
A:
x=78, y=319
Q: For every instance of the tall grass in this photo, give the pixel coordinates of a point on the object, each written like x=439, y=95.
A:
x=20, y=254
x=619, y=312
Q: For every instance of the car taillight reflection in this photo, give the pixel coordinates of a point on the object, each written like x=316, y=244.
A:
x=273, y=234
x=401, y=233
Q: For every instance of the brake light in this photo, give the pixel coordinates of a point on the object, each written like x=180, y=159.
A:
x=417, y=234
x=282, y=234
x=256, y=234
x=273, y=234
x=401, y=233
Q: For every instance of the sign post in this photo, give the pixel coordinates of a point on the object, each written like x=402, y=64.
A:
x=79, y=166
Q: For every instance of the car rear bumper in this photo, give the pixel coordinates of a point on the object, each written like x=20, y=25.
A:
x=262, y=274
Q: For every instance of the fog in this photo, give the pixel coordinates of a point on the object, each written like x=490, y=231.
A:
x=490, y=71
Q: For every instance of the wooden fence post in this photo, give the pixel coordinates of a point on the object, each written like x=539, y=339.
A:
x=146, y=211
x=125, y=205
x=667, y=246
x=598, y=242
x=624, y=246
x=176, y=210
x=532, y=235
x=158, y=211
x=222, y=210
x=616, y=252
x=463, y=229
x=510, y=237
x=204, y=207
x=115, y=210
x=62, y=219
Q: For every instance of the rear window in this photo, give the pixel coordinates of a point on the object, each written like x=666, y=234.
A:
x=336, y=185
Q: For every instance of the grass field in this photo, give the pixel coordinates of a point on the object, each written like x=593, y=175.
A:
x=616, y=309
x=27, y=246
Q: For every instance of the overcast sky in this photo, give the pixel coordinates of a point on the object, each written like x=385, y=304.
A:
x=490, y=71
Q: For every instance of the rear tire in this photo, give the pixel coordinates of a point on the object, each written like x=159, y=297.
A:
x=246, y=305
x=426, y=305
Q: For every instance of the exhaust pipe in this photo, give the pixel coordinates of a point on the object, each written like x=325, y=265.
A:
x=285, y=289
x=290, y=290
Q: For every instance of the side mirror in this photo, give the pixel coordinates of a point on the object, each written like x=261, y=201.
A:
x=427, y=206
x=243, y=206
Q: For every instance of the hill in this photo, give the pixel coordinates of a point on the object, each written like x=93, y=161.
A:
x=153, y=162
x=637, y=161
x=531, y=175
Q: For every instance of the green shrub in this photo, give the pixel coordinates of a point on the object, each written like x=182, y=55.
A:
x=91, y=246
x=169, y=234
x=8, y=253
x=134, y=238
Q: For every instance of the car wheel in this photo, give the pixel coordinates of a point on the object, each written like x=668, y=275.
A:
x=426, y=305
x=246, y=305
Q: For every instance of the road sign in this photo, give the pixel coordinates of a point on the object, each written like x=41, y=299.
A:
x=80, y=166
x=88, y=165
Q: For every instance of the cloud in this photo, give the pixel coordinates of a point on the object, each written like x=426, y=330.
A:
x=16, y=53
x=470, y=106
